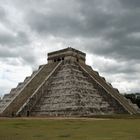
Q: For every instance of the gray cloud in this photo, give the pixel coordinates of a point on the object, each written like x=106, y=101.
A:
x=107, y=29
x=2, y=14
x=130, y=3
x=54, y=24
x=121, y=68
x=87, y=22
x=16, y=46
x=14, y=40
x=93, y=19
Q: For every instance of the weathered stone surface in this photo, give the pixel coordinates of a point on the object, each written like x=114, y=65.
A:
x=71, y=92
x=66, y=86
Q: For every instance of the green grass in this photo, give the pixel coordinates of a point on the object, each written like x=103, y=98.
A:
x=70, y=129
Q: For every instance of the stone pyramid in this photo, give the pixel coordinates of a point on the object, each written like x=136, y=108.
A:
x=66, y=86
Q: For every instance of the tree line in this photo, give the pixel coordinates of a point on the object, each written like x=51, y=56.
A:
x=134, y=97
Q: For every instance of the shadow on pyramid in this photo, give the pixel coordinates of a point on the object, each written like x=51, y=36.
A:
x=66, y=86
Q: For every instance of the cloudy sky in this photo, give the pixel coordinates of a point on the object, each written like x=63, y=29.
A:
x=107, y=30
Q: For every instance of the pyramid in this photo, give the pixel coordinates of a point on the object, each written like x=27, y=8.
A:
x=65, y=86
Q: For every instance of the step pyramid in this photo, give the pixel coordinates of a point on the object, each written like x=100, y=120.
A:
x=66, y=86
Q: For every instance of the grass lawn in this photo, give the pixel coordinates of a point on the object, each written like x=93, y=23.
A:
x=69, y=129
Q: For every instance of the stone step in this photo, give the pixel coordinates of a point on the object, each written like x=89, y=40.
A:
x=69, y=87
x=71, y=83
x=70, y=77
x=70, y=105
x=73, y=72
x=13, y=90
x=92, y=93
x=41, y=66
x=27, y=79
x=6, y=96
x=72, y=112
x=34, y=72
x=69, y=66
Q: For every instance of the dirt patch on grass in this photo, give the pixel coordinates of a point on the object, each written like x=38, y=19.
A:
x=53, y=118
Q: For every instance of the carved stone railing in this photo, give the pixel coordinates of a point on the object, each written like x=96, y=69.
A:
x=26, y=108
x=9, y=98
x=115, y=94
x=28, y=90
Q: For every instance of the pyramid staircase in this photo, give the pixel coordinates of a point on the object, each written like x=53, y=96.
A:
x=71, y=92
x=66, y=86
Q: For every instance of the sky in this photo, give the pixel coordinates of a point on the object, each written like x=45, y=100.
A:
x=108, y=31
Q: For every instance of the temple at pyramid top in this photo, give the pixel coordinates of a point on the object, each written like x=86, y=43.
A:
x=65, y=86
x=67, y=54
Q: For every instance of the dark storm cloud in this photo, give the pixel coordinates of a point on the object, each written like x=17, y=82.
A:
x=121, y=68
x=115, y=22
x=25, y=56
x=14, y=40
x=93, y=19
x=54, y=24
x=2, y=13
x=108, y=29
x=86, y=22
x=15, y=46
x=9, y=36
x=130, y=3
x=6, y=52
